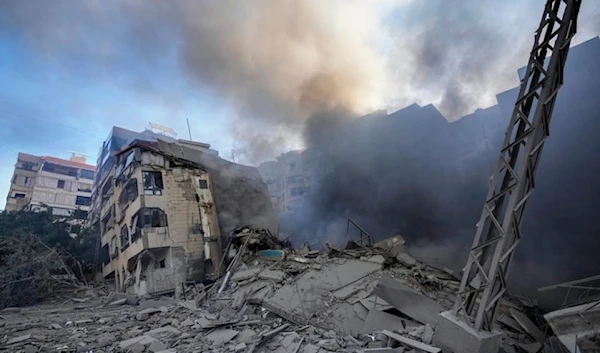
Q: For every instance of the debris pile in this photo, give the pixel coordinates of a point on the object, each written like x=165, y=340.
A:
x=371, y=299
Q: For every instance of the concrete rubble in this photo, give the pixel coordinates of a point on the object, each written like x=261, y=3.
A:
x=366, y=299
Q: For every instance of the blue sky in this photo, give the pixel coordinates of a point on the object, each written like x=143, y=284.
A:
x=70, y=70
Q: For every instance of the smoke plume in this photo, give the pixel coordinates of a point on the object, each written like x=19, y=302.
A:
x=280, y=63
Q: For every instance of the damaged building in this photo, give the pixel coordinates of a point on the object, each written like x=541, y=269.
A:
x=163, y=206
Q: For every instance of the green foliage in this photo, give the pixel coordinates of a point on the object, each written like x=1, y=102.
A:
x=34, y=246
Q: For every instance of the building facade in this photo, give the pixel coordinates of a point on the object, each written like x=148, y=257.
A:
x=161, y=206
x=286, y=178
x=61, y=186
x=158, y=221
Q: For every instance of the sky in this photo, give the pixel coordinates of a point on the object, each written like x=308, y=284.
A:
x=247, y=75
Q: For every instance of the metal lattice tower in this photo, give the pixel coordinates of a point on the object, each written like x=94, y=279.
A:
x=499, y=228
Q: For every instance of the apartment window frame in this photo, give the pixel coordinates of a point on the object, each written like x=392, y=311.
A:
x=60, y=184
x=153, y=182
x=81, y=197
x=85, y=174
x=124, y=237
x=17, y=195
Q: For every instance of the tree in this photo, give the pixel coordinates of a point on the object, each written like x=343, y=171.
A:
x=38, y=252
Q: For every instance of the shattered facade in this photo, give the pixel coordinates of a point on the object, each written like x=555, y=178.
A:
x=161, y=214
x=63, y=187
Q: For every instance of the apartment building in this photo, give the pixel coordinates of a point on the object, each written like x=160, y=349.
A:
x=161, y=206
x=61, y=186
x=286, y=180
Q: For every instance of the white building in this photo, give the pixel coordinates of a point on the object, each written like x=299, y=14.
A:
x=42, y=182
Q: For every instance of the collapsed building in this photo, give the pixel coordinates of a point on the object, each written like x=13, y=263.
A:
x=162, y=206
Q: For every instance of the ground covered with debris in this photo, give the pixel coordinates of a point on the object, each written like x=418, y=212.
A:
x=361, y=298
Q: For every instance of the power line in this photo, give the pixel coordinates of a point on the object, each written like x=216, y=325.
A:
x=38, y=116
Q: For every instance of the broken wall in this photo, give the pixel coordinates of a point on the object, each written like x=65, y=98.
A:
x=240, y=194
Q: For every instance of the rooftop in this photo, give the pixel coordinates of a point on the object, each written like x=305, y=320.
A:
x=68, y=163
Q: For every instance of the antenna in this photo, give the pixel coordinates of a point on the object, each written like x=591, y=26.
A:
x=78, y=157
x=189, y=131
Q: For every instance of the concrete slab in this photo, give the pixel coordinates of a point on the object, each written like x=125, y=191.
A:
x=361, y=311
x=162, y=331
x=374, y=302
x=19, y=339
x=244, y=275
x=453, y=335
x=272, y=275
x=220, y=336
x=307, y=296
x=406, y=259
x=245, y=336
x=412, y=343
x=529, y=326
x=408, y=301
x=572, y=324
x=350, y=289
x=379, y=320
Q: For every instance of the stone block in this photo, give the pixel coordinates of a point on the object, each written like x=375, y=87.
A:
x=456, y=336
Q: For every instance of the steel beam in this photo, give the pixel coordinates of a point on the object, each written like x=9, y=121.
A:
x=499, y=227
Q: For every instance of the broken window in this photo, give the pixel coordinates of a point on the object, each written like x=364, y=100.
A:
x=149, y=217
x=80, y=214
x=202, y=184
x=114, y=247
x=129, y=192
x=124, y=238
x=153, y=184
x=83, y=200
x=162, y=263
x=61, y=184
x=154, y=217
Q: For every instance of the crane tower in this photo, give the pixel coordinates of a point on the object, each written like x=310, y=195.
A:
x=499, y=228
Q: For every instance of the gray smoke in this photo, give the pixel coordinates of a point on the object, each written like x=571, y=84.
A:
x=279, y=63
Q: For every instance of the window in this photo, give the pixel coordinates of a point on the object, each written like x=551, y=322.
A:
x=294, y=179
x=84, y=187
x=149, y=217
x=153, y=183
x=83, y=200
x=292, y=166
x=19, y=196
x=162, y=263
x=124, y=238
x=154, y=217
x=297, y=191
x=87, y=174
x=59, y=169
x=27, y=165
x=80, y=214
x=202, y=184
x=114, y=247
x=129, y=192
x=61, y=184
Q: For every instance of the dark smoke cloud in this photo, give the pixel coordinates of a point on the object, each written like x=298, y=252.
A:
x=413, y=173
